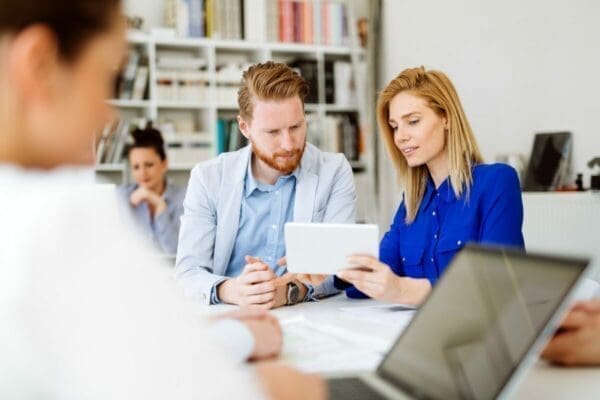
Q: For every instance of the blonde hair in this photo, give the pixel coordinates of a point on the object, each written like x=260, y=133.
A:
x=269, y=81
x=460, y=145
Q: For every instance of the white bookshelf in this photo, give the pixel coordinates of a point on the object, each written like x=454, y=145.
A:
x=206, y=113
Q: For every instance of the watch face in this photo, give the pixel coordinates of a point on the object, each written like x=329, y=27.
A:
x=293, y=293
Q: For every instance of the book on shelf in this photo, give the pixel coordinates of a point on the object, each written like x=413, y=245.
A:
x=110, y=148
x=344, y=87
x=329, y=83
x=299, y=21
x=340, y=84
x=128, y=76
x=196, y=18
x=229, y=137
x=132, y=82
x=337, y=134
x=286, y=21
x=140, y=84
x=260, y=18
x=308, y=69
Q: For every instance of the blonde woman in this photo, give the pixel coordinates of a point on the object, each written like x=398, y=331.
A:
x=450, y=197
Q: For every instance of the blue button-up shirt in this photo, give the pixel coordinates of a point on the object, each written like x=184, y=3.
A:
x=264, y=211
x=162, y=230
x=492, y=214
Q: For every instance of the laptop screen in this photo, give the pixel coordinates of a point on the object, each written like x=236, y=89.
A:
x=478, y=324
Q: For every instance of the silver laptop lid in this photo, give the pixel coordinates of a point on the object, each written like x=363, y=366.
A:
x=479, y=323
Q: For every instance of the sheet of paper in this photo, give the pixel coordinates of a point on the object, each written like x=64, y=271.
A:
x=393, y=315
x=313, y=347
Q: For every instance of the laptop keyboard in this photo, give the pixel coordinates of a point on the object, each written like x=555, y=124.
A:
x=351, y=389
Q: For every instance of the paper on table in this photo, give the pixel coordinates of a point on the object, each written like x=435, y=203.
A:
x=398, y=316
x=313, y=347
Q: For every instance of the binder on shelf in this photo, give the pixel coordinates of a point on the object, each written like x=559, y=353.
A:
x=222, y=136
x=308, y=70
x=140, y=83
x=127, y=80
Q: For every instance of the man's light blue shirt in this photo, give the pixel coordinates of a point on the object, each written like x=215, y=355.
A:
x=264, y=211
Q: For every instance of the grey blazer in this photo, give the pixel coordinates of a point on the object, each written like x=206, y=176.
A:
x=324, y=193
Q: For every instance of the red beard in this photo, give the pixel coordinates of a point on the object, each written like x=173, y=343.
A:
x=286, y=165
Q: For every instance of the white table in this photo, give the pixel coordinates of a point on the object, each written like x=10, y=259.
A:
x=541, y=382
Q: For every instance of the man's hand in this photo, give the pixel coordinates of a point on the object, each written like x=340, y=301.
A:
x=577, y=341
x=265, y=328
x=255, y=287
x=284, y=382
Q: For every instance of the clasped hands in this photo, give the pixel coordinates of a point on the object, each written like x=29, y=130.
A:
x=258, y=286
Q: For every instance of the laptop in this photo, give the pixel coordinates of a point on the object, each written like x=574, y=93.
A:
x=477, y=332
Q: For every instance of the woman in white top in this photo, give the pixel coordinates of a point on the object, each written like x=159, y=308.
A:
x=86, y=311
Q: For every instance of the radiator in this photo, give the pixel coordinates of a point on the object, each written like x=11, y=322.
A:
x=564, y=223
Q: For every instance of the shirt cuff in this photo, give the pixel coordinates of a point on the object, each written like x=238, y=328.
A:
x=309, y=292
x=234, y=336
x=214, y=296
x=323, y=290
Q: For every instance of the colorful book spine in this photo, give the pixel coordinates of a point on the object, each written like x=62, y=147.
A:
x=194, y=18
x=222, y=136
x=210, y=18
x=286, y=21
x=308, y=22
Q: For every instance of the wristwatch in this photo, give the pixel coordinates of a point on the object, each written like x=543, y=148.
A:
x=293, y=294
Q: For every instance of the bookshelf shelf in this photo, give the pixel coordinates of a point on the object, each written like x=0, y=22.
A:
x=129, y=103
x=195, y=138
x=182, y=105
x=284, y=47
x=181, y=167
x=340, y=108
x=136, y=37
x=120, y=167
x=227, y=107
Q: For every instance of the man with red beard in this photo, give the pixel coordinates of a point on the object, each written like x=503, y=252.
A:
x=231, y=243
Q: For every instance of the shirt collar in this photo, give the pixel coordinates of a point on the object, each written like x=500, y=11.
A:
x=444, y=191
x=251, y=184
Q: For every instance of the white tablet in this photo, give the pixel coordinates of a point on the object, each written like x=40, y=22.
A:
x=323, y=248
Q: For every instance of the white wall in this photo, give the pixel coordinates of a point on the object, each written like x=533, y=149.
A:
x=520, y=66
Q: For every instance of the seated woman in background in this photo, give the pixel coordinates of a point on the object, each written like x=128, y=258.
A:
x=155, y=204
x=449, y=197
